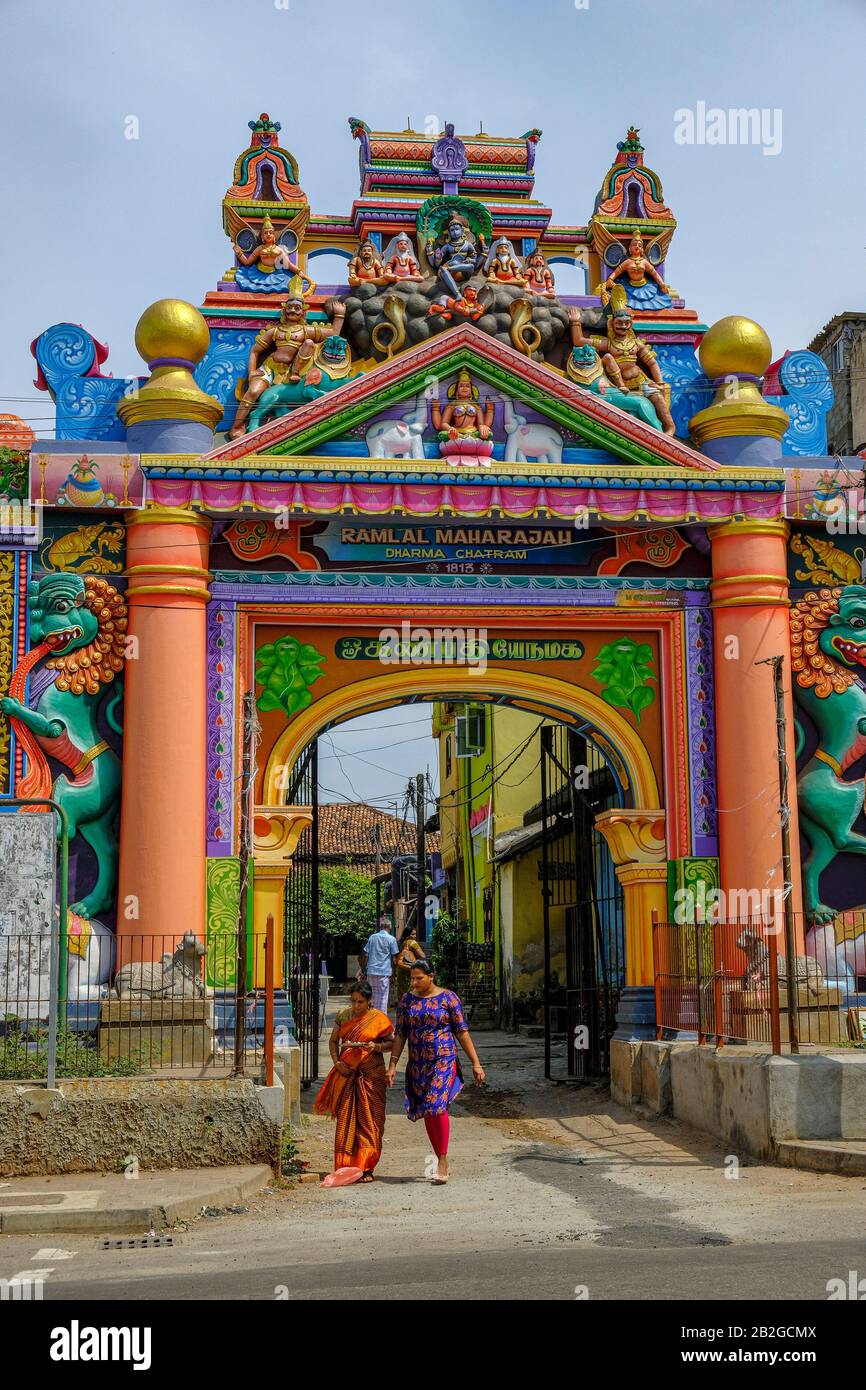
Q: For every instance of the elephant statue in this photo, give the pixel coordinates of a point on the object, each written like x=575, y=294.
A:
x=529, y=442
x=399, y=439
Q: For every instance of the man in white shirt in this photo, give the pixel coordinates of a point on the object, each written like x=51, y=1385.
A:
x=376, y=961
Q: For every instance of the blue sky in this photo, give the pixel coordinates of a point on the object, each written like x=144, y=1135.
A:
x=96, y=226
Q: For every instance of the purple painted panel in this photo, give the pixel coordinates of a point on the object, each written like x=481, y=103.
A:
x=221, y=627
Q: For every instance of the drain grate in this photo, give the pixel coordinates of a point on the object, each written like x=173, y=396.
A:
x=138, y=1243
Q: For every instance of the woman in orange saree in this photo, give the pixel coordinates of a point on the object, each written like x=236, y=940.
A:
x=354, y=1090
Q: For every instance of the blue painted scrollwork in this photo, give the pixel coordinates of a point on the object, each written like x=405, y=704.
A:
x=690, y=390
x=224, y=364
x=808, y=396
x=69, y=359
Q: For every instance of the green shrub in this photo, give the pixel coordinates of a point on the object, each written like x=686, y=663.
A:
x=24, y=1056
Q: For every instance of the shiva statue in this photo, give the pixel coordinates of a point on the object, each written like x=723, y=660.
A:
x=464, y=417
x=640, y=293
x=283, y=353
x=502, y=265
x=628, y=362
x=539, y=276
x=365, y=268
x=583, y=367
x=456, y=257
x=268, y=267
x=400, y=265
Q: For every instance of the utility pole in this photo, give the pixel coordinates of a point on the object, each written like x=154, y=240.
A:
x=377, y=841
x=787, y=880
x=421, y=847
x=250, y=729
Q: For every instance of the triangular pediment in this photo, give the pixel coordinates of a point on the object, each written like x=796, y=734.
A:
x=555, y=408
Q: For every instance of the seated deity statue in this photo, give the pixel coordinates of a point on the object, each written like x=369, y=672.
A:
x=365, y=268
x=283, y=353
x=268, y=267
x=401, y=266
x=467, y=306
x=502, y=264
x=583, y=366
x=645, y=288
x=539, y=276
x=628, y=362
x=463, y=417
x=454, y=255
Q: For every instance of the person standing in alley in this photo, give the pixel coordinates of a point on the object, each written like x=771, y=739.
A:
x=377, y=962
x=432, y=1020
x=410, y=951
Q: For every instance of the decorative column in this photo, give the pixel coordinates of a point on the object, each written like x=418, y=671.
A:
x=162, y=824
x=636, y=840
x=276, y=832
x=750, y=622
x=162, y=821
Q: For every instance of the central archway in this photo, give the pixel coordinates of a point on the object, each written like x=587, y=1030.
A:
x=571, y=703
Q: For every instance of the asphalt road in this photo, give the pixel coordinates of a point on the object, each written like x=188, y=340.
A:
x=740, y=1274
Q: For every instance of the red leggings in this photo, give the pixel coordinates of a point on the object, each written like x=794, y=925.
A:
x=438, y=1129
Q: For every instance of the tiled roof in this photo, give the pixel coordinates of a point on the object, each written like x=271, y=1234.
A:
x=347, y=835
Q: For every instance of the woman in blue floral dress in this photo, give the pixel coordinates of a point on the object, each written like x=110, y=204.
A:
x=432, y=1020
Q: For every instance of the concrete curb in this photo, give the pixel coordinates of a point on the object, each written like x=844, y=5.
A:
x=823, y=1156
x=148, y=1216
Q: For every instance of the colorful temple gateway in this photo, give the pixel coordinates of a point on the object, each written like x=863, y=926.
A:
x=635, y=511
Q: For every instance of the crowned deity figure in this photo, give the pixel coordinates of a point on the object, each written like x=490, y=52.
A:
x=646, y=288
x=539, y=276
x=464, y=417
x=456, y=257
x=401, y=266
x=365, y=268
x=502, y=265
x=268, y=266
x=282, y=353
x=583, y=366
x=629, y=363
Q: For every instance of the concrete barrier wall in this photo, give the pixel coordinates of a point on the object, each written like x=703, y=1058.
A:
x=93, y=1125
x=753, y=1100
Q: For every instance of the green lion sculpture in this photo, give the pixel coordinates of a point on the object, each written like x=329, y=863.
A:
x=584, y=367
x=80, y=625
x=828, y=658
x=329, y=371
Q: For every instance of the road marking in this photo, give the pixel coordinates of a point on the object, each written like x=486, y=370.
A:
x=32, y=1274
x=55, y=1254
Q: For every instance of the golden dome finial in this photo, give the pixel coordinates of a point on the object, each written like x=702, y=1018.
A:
x=172, y=336
x=172, y=328
x=733, y=345
x=734, y=354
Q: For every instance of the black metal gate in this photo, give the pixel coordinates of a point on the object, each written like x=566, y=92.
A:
x=302, y=958
x=584, y=946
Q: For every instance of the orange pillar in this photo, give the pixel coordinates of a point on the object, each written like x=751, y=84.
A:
x=750, y=623
x=162, y=823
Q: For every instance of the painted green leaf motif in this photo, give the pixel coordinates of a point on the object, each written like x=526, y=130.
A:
x=286, y=669
x=625, y=668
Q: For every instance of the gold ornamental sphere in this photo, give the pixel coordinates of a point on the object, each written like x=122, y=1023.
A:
x=172, y=328
x=735, y=344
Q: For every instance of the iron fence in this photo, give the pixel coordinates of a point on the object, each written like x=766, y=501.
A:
x=144, y=1004
x=728, y=980
x=584, y=931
